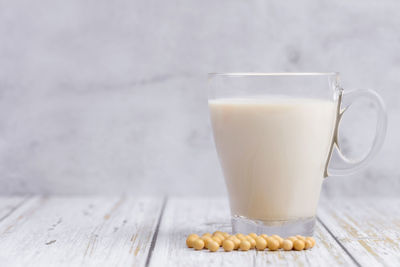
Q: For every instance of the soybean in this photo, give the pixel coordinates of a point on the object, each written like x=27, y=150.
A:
x=217, y=240
x=261, y=244
x=253, y=235
x=228, y=245
x=235, y=240
x=287, y=244
x=245, y=245
x=312, y=240
x=245, y=242
x=220, y=236
x=307, y=244
x=206, y=239
x=252, y=242
x=226, y=235
x=273, y=244
x=207, y=234
x=298, y=244
x=190, y=239
x=301, y=237
x=217, y=232
x=213, y=246
x=198, y=244
x=238, y=235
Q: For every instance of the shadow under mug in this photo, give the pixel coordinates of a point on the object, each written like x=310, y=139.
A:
x=275, y=134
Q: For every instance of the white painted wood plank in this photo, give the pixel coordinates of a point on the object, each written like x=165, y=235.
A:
x=368, y=228
x=9, y=204
x=66, y=231
x=183, y=216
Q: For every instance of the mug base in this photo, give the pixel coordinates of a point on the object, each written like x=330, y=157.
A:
x=283, y=228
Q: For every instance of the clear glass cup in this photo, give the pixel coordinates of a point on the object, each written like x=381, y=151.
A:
x=275, y=134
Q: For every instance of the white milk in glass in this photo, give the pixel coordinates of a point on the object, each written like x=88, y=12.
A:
x=273, y=153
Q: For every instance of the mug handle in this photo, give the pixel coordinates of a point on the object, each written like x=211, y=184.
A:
x=345, y=100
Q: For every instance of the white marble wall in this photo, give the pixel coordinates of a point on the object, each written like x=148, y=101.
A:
x=101, y=96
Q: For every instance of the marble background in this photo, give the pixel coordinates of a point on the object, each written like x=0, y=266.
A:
x=101, y=96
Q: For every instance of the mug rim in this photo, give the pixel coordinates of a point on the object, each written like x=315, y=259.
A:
x=273, y=74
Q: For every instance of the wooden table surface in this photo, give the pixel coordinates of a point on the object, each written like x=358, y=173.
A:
x=150, y=231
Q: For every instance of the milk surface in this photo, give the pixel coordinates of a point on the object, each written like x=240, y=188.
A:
x=273, y=153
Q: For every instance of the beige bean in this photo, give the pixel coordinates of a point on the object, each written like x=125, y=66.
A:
x=206, y=234
x=193, y=235
x=307, y=244
x=238, y=235
x=213, y=246
x=280, y=239
x=242, y=237
x=261, y=244
x=298, y=244
x=220, y=236
x=206, y=239
x=190, y=239
x=253, y=235
x=269, y=239
x=217, y=240
x=287, y=244
x=300, y=237
x=252, y=242
x=245, y=245
x=280, y=242
x=217, y=232
x=273, y=244
x=276, y=236
x=198, y=244
x=235, y=240
x=228, y=245
x=312, y=240
x=226, y=235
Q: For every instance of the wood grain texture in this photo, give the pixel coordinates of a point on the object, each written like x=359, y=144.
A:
x=368, y=228
x=123, y=231
x=184, y=216
x=63, y=231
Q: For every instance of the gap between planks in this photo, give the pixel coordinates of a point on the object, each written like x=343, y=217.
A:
x=154, y=239
x=161, y=240
x=23, y=201
x=159, y=221
x=338, y=242
x=79, y=228
x=368, y=227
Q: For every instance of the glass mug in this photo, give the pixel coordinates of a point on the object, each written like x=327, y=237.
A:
x=275, y=134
